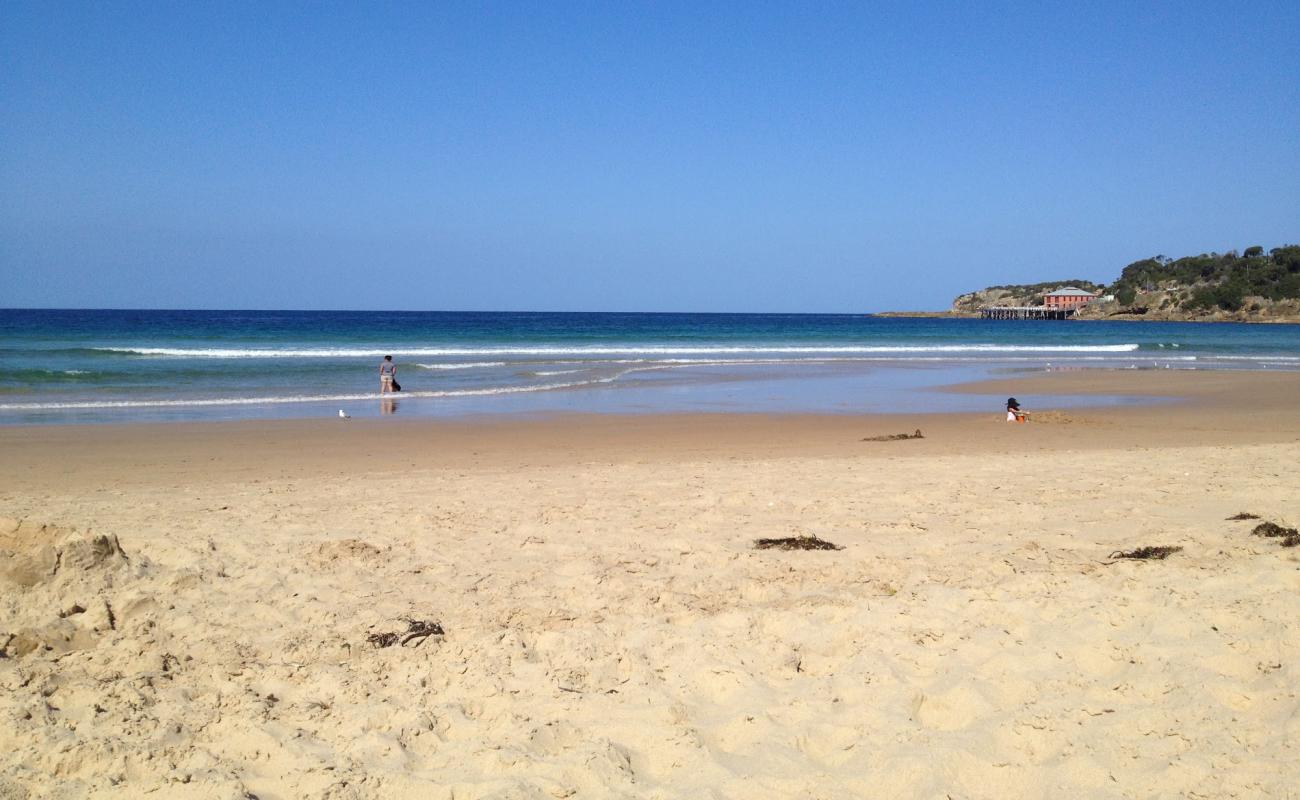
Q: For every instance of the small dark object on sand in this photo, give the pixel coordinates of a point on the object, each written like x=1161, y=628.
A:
x=383, y=639
x=417, y=630
x=895, y=437
x=795, y=543
x=1147, y=553
x=1270, y=530
x=1292, y=540
x=1244, y=515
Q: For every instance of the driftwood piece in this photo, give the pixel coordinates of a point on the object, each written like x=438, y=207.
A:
x=1244, y=515
x=419, y=630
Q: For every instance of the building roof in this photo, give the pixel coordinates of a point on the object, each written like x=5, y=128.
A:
x=1069, y=291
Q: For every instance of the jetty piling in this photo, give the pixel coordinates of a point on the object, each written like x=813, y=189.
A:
x=1025, y=312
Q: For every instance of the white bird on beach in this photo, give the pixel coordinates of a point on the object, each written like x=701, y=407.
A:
x=344, y=416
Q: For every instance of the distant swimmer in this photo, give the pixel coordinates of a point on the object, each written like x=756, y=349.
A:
x=387, y=375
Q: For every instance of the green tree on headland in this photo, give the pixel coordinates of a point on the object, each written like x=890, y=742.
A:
x=1214, y=280
x=1048, y=286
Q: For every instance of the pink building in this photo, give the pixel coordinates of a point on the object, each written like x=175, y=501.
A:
x=1068, y=298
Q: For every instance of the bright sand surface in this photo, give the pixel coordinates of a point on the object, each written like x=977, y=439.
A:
x=611, y=632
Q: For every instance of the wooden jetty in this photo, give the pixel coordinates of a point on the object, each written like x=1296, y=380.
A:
x=1025, y=312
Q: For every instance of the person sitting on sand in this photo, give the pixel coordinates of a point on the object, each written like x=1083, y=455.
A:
x=387, y=374
x=1014, y=414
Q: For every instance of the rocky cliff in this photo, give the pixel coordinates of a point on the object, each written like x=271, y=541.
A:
x=1165, y=306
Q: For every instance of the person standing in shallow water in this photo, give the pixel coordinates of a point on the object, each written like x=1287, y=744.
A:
x=387, y=374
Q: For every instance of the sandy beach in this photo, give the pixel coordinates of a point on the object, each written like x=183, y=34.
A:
x=195, y=610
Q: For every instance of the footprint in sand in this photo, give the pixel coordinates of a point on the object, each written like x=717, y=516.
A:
x=949, y=711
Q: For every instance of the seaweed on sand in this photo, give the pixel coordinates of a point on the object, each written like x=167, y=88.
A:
x=895, y=437
x=1244, y=515
x=810, y=542
x=1271, y=530
x=417, y=630
x=1159, y=553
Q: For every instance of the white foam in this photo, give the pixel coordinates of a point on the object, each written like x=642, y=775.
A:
x=284, y=399
x=470, y=365
x=599, y=350
x=1288, y=359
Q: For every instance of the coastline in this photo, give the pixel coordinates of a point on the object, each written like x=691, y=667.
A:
x=1215, y=407
x=609, y=630
x=1117, y=317
x=103, y=367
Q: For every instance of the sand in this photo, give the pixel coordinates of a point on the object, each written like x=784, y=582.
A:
x=186, y=609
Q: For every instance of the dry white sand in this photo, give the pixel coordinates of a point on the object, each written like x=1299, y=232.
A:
x=176, y=629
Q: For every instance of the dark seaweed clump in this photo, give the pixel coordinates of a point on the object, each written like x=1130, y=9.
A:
x=1290, y=536
x=895, y=437
x=1159, y=553
x=795, y=543
x=417, y=630
x=1271, y=530
x=1244, y=515
x=383, y=639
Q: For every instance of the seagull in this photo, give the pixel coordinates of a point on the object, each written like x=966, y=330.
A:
x=344, y=416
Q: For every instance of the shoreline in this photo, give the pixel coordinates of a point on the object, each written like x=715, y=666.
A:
x=211, y=366
x=1208, y=407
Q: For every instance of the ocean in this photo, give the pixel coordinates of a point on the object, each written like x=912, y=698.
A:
x=75, y=366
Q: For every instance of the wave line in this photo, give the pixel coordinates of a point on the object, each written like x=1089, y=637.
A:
x=599, y=350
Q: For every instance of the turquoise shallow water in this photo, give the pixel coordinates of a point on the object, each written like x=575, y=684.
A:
x=59, y=366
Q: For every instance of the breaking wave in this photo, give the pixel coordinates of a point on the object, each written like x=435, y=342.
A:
x=469, y=365
x=602, y=350
x=283, y=399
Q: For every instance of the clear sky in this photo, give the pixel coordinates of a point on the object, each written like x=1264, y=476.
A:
x=630, y=156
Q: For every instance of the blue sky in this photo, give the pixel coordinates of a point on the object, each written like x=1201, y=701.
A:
x=817, y=157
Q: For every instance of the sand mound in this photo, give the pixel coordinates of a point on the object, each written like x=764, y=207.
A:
x=1058, y=418
x=96, y=646
x=35, y=553
x=58, y=583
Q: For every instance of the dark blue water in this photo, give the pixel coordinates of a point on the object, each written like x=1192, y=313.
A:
x=77, y=365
